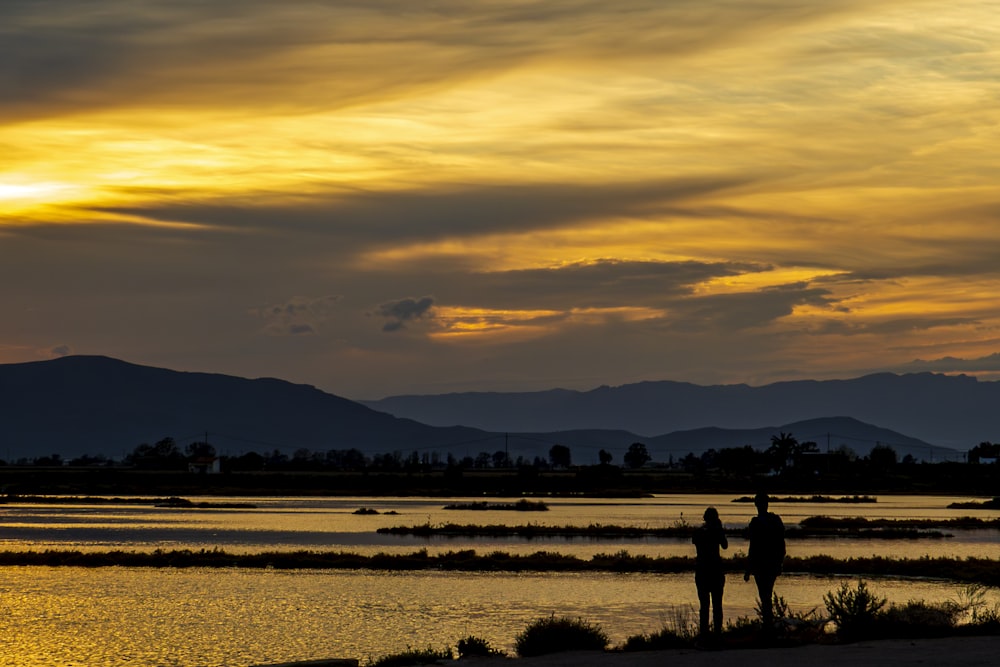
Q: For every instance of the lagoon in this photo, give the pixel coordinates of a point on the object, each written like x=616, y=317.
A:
x=133, y=616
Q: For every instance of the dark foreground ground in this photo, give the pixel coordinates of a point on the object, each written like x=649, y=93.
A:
x=958, y=651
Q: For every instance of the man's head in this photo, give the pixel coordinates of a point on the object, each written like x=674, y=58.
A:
x=761, y=500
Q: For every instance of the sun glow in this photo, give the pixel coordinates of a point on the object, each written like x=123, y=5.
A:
x=16, y=196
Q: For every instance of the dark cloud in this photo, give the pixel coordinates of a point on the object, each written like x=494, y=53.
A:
x=399, y=313
x=61, y=350
x=891, y=327
x=365, y=219
x=297, y=316
x=602, y=283
x=745, y=310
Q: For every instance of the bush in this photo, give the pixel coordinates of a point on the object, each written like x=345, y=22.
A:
x=554, y=635
x=476, y=646
x=413, y=657
x=855, y=612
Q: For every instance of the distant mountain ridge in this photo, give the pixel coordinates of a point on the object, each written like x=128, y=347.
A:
x=98, y=405
x=950, y=411
x=102, y=406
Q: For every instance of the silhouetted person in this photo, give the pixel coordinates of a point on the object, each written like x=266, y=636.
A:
x=709, y=575
x=765, y=555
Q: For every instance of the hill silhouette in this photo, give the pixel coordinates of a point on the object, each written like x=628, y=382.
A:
x=951, y=411
x=102, y=406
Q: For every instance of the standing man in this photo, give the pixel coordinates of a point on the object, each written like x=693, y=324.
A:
x=766, y=553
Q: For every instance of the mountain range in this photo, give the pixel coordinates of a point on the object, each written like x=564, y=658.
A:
x=101, y=406
x=957, y=412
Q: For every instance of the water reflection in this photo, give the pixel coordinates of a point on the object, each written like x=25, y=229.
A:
x=107, y=617
x=330, y=523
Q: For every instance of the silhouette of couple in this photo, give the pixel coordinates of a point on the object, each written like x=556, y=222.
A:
x=766, y=533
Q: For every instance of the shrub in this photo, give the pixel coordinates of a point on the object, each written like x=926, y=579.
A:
x=854, y=611
x=554, y=635
x=413, y=657
x=476, y=646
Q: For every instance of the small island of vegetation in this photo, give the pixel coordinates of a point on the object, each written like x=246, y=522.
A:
x=522, y=505
x=810, y=527
x=812, y=499
x=993, y=504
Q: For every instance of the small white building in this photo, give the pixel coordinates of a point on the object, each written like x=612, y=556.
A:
x=206, y=465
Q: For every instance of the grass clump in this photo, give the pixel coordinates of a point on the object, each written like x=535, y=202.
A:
x=476, y=646
x=556, y=635
x=425, y=656
x=679, y=631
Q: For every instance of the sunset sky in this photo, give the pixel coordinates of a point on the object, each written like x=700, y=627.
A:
x=386, y=196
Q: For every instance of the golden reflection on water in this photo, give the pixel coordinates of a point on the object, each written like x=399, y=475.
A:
x=208, y=617
x=287, y=524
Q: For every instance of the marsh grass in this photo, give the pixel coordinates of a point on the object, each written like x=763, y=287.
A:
x=984, y=571
x=425, y=656
x=810, y=527
x=679, y=630
x=476, y=646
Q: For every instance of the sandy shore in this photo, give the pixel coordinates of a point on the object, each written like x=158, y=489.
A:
x=964, y=651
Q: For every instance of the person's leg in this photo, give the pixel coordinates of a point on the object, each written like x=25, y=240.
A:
x=765, y=589
x=704, y=595
x=717, y=608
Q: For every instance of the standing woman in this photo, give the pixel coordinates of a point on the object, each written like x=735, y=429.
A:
x=709, y=574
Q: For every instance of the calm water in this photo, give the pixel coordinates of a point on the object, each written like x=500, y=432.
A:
x=120, y=616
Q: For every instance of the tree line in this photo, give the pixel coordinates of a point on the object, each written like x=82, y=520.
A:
x=786, y=454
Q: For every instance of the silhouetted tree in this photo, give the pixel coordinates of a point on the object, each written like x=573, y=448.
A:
x=782, y=450
x=637, y=455
x=559, y=455
x=604, y=457
x=984, y=450
x=500, y=459
x=164, y=455
x=691, y=463
x=882, y=458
